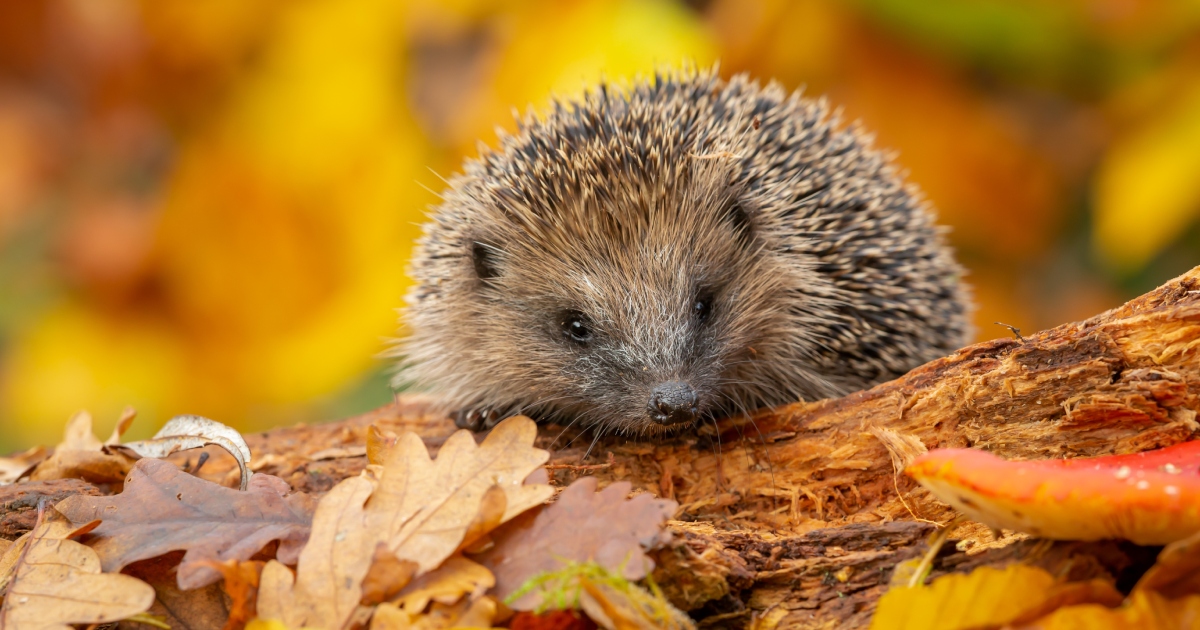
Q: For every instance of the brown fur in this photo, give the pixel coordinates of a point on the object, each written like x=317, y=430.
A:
x=826, y=273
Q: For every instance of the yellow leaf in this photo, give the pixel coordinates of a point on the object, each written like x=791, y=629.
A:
x=1147, y=191
x=985, y=597
x=1144, y=610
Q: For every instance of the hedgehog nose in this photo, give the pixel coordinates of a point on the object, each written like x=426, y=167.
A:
x=673, y=402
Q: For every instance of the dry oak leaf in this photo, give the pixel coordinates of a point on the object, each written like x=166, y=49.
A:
x=81, y=454
x=1150, y=498
x=57, y=582
x=582, y=525
x=426, y=508
x=328, y=583
x=17, y=466
x=423, y=511
x=164, y=509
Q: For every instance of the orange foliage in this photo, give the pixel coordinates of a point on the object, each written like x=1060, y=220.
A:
x=207, y=207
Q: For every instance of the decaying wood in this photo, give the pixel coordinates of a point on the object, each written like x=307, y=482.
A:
x=796, y=516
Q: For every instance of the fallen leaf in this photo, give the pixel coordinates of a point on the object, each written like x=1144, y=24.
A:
x=1150, y=498
x=480, y=613
x=327, y=585
x=427, y=507
x=986, y=597
x=57, y=582
x=182, y=433
x=421, y=509
x=379, y=444
x=79, y=456
x=614, y=605
x=387, y=576
x=240, y=583
x=582, y=525
x=17, y=466
x=1144, y=610
x=207, y=607
x=447, y=584
x=164, y=509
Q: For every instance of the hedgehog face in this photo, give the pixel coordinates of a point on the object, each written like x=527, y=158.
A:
x=637, y=322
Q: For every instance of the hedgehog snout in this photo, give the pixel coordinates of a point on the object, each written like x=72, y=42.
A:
x=673, y=402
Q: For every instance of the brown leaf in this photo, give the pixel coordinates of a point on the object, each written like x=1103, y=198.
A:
x=629, y=608
x=17, y=466
x=387, y=576
x=427, y=507
x=327, y=585
x=163, y=509
x=446, y=584
x=241, y=585
x=421, y=509
x=582, y=525
x=379, y=444
x=197, y=609
x=79, y=456
x=58, y=582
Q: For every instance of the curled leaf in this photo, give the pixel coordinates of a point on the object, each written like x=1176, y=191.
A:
x=187, y=432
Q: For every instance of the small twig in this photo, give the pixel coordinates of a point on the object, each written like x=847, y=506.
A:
x=1015, y=331
x=200, y=461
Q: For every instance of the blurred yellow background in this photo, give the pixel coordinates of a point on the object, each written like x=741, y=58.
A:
x=206, y=207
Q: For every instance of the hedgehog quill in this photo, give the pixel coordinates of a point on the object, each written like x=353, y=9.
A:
x=685, y=247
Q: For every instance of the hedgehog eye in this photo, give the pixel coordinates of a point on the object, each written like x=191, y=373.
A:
x=702, y=308
x=484, y=261
x=575, y=327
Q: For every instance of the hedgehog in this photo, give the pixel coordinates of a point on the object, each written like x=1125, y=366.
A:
x=668, y=251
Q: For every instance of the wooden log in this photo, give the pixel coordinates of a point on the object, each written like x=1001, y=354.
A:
x=796, y=516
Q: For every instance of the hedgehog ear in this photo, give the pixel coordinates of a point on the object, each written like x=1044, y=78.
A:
x=483, y=258
x=735, y=213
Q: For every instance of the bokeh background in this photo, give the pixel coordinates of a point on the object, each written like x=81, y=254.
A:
x=206, y=207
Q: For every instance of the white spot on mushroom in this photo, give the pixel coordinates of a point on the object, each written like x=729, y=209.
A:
x=1123, y=472
x=1143, y=484
x=1171, y=490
